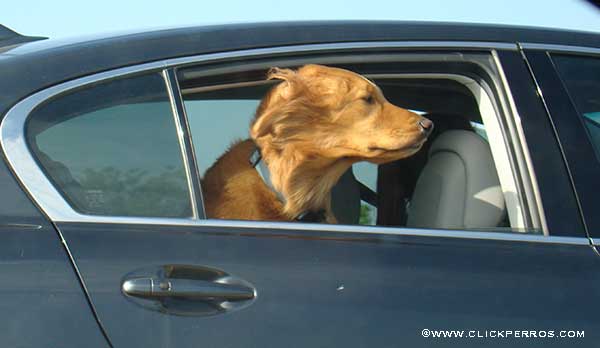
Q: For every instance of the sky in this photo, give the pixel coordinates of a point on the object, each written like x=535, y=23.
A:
x=63, y=18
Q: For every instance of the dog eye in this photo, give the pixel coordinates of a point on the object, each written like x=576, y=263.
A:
x=369, y=99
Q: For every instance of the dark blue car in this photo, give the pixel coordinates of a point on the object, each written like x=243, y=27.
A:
x=484, y=237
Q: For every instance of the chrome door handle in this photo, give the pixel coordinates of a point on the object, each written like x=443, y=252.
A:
x=187, y=290
x=215, y=290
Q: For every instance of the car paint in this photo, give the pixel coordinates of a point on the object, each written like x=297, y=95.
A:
x=339, y=289
x=41, y=298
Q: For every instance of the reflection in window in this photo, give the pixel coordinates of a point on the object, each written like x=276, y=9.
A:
x=581, y=76
x=113, y=149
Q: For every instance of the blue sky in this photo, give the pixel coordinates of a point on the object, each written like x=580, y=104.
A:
x=61, y=18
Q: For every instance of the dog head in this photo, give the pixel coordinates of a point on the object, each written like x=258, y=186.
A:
x=335, y=114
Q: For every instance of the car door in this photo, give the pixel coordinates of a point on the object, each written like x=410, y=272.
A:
x=42, y=295
x=568, y=78
x=110, y=160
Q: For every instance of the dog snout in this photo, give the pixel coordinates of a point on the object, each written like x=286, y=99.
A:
x=426, y=126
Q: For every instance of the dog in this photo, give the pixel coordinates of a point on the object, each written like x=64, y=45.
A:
x=307, y=131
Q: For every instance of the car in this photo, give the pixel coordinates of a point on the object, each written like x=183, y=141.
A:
x=489, y=235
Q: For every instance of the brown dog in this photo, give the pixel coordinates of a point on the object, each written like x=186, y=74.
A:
x=309, y=129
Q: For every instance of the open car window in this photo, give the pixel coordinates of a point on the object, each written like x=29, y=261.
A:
x=220, y=108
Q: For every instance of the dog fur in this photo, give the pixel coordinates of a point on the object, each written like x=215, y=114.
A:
x=310, y=128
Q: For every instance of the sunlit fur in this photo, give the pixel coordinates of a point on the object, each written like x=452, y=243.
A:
x=311, y=127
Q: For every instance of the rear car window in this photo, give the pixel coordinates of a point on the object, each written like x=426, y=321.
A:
x=581, y=76
x=221, y=108
x=112, y=149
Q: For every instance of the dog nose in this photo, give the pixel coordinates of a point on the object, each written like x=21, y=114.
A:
x=426, y=125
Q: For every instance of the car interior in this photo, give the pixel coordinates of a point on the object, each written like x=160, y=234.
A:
x=437, y=187
x=451, y=183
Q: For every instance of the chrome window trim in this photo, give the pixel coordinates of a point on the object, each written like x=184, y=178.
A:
x=531, y=188
x=559, y=48
x=190, y=175
x=348, y=229
x=25, y=167
x=57, y=209
x=21, y=160
x=343, y=46
x=187, y=143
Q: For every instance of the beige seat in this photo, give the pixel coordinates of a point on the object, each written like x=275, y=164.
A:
x=458, y=187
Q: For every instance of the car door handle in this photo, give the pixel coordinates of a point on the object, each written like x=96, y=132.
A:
x=201, y=290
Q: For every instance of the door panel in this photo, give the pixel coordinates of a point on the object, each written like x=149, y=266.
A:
x=570, y=129
x=340, y=289
x=41, y=300
x=561, y=209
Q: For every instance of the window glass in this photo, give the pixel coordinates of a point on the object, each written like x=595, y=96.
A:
x=581, y=76
x=113, y=149
x=209, y=118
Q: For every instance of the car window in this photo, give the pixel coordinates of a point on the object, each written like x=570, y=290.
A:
x=217, y=124
x=366, y=174
x=112, y=149
x=390, y=194
x=208, y=119
x=581, y=76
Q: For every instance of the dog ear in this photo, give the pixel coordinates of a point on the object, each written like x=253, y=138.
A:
x=280, y=102
x=263, y=120
x=276, y=73
x=288, y=78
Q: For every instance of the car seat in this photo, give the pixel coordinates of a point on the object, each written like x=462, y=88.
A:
x=459, y=186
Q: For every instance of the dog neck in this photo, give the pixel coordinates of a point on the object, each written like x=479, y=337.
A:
x=304, y=181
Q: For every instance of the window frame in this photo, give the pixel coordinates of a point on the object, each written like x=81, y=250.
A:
x=569, y=127
x=489, y=111
x=514, y=156
x=41, y=187
x=12, y=139
x=97, y=105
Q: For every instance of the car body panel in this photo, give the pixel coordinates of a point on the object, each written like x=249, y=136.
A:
x=345, y=289
x=41, y=298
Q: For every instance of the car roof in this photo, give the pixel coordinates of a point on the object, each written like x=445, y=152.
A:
x=35, y=65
